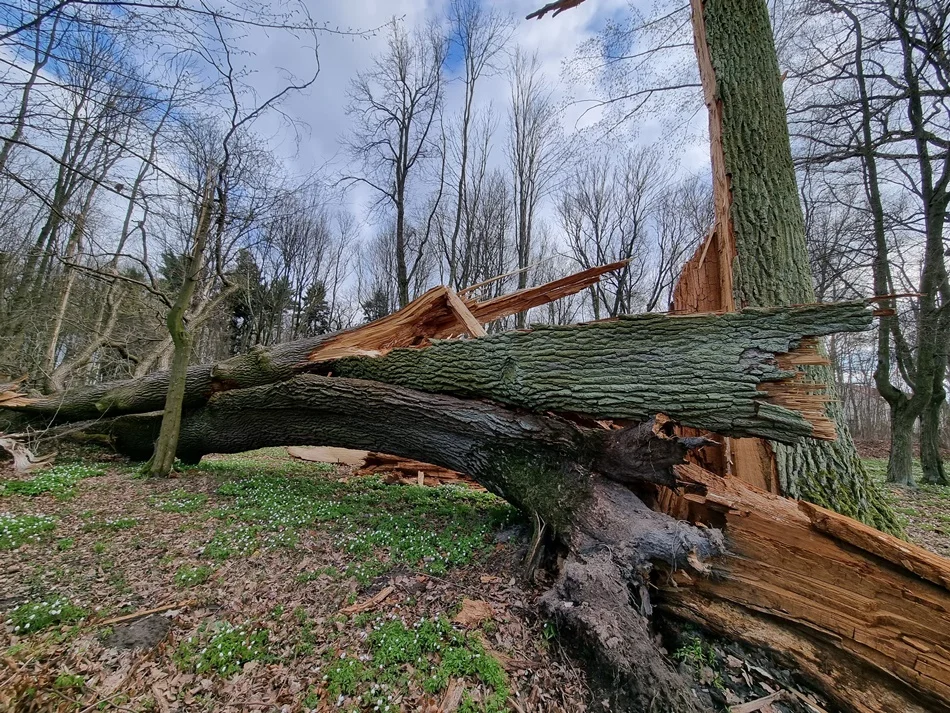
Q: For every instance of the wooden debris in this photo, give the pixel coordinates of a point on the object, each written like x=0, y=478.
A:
x=523, y=300
x=464, y=315
x=146, y=612
x=761, y=704
x=24, y=461
x=327, y=454
x=440, y=313
x=370, y=603
x=10, y=394
x=453, y=697
x=863, y=614
x=412, y=472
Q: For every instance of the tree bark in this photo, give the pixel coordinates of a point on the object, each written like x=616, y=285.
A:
x=732, y=374
x=561, y=473
x=163, y=459
x=901, y=455
x=760, y=227
x=931, y=461
x=706, y=371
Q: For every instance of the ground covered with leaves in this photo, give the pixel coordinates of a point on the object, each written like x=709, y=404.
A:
x=924, y=510
x=276, y=585
x=260, y=583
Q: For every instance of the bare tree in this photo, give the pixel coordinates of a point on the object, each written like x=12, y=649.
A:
x=607, y=209
x=877, y=110
x=480, y=35
x=396, y=108
x=536, y=150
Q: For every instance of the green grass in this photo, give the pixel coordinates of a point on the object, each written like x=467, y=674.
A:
x=60, y=480
x=180, y=501
x=69, y=680
x=697, y=654
x=192, y=576
x=230, y=542
x=16, y=530
x=111, y=523
x=35, y=616
x=430, y=651
x=222, y=649
x=378, y=525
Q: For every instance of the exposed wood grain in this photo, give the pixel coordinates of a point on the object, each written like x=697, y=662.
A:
x=464, y=315
x=863, y=613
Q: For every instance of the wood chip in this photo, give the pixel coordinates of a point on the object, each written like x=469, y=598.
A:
x=370, y=603
x=473, y=612
x=760, y=704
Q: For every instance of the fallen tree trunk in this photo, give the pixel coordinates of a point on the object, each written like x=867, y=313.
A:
x=561, y=473
x=439, y=313
x=730, y=373
x=865, y=617
x=734, y=374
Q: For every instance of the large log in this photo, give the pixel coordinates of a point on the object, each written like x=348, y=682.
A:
x=865, y=617
x=731, y=373
x=562, y=474
x=439, y=313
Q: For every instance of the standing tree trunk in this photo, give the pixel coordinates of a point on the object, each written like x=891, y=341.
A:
x=761, y=229
x=163, y=458
x=931, y=462
x=901, y=459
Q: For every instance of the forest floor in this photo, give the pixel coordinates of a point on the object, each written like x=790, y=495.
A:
x=924, y=510
x=259, y=583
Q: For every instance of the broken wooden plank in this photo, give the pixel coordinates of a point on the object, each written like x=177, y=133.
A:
x=464, y=315
x=523, y=300
x=863, y=614
x=327, y=454
x=370, y=603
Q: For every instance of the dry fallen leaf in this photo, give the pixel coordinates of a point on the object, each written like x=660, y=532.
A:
x=474, y=612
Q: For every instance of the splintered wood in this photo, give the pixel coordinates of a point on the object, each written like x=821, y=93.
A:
x=798, y=393
x=10, y=394
x=862, y=612
x=440, y=313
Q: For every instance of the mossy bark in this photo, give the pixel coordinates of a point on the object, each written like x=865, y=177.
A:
x=549, y=467
x=701, y=370
x=901, y=461
x=931, y=462
x=772, y=267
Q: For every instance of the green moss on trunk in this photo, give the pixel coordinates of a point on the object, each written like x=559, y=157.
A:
x=772, y=260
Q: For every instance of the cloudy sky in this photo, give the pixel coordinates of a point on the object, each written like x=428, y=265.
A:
x=322, y=107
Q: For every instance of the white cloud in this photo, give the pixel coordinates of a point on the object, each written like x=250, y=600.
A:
x=322, y=109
